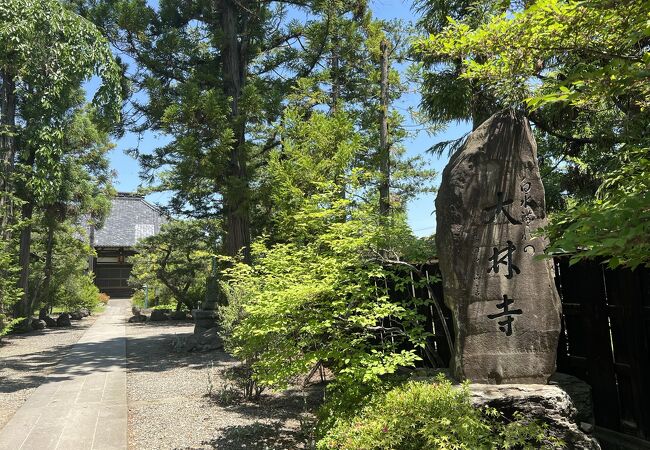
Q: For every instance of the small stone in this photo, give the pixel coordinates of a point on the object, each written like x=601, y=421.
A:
x=178, y=315
x=63, y=320
x=76, y=315
x=49, y=322
x=158, y=315
x=38, y=324
x=138, y=318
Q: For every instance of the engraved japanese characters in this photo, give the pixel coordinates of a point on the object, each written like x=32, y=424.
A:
x=503, y=298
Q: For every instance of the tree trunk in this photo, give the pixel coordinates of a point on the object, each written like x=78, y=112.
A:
x=23, y=260
x=236, y=196
x=384, y=147
x=24, y=307
x=335, y=74
x=481, y=109
x=7, y=149
x=483, y=105
x=50, y=220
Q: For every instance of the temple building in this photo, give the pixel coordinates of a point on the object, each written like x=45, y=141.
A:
x=131, y=218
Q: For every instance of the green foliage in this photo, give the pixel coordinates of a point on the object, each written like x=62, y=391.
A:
x=78, y=292
x=46, y=53
x=579, y=70
x=316, y=291
x=71, y=287
x=175, y=262
x=318, y=302
x=616, y=225
x=49, y=52
x=432, y=415
x=231, y=314
x=9, y=293
x=7, y=326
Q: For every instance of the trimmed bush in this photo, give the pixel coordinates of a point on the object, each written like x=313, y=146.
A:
x=78, y=291
x=433, y=415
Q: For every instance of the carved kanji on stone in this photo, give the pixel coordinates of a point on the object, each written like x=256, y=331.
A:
x=506, y=324
x=503, y=299
x=496, y=260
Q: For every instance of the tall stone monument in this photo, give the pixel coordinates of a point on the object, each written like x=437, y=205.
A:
x=505, y=306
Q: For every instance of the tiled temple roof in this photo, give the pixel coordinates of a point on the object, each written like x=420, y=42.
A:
x=131, y=219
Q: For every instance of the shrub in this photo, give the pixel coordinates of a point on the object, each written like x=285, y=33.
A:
x=137, y=299
x=7, y=325
x=103, y=298
x=175, y=263
x=432, y=415
x=231, y=314
x=78, y=291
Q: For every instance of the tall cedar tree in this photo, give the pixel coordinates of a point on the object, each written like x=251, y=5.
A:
x=213, y=76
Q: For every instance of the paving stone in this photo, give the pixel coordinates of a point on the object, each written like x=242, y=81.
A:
x=87, y=386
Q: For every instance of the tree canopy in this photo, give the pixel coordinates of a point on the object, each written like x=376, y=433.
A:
x=579, y=71
x=46, y=53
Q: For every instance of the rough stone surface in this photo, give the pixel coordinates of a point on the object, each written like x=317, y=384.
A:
x=503, y=299
x=580, y=393
x=63, y=320
x=138, y=318
x=49, y=322
x=38, y=324
x=201, y=341
x=549, y=404
x=204, y=320
x=76, y=315
x=178, y=315
x=158, y=315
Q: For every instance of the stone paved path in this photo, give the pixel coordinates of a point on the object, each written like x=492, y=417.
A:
x=83, y=403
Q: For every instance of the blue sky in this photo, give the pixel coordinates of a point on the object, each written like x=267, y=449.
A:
x=420, y=211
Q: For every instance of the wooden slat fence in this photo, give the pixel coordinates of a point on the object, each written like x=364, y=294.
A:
x=605, y=337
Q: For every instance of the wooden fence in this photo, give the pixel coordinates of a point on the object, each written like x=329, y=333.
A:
x=605, y=338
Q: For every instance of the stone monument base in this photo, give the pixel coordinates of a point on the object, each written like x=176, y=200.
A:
x=204, y=320
x=206, y=333
x=564, y=405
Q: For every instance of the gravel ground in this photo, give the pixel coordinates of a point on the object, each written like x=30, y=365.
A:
x=169, y=408
x=26, y=359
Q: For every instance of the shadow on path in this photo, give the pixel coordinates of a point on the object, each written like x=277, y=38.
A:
x=260, y=436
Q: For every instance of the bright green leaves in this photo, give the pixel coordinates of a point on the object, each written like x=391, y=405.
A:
x=616, y=225
x=433, y=414
x=50, y=52
x=315, y=291
x=506, y=51
x=580, y=69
